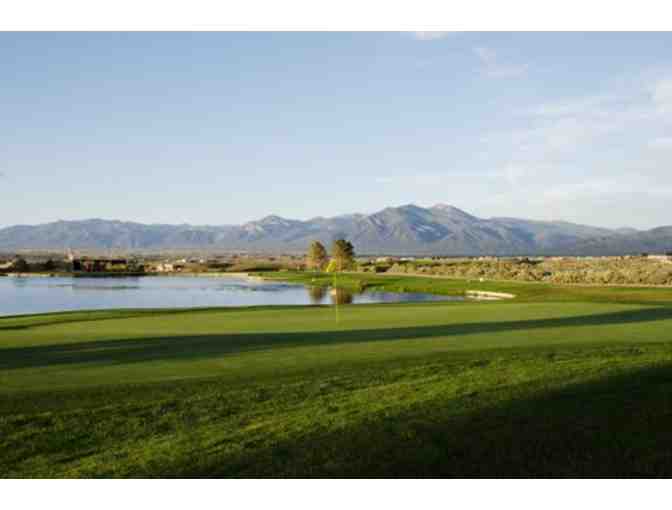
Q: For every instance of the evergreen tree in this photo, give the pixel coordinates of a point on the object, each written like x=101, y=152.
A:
x=20, y=265
x=343, y=254
x=317, y=294
x=317, y=256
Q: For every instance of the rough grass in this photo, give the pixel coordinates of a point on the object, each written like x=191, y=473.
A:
x=565, y=270
x=558, y=382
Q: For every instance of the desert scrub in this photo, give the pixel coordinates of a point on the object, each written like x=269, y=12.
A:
x=600, y=271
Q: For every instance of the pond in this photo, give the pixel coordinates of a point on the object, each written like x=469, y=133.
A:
x=27, y=295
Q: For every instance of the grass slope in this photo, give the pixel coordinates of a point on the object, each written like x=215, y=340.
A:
x=558, y=382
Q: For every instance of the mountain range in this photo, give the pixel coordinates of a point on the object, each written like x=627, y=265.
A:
x=409, y=229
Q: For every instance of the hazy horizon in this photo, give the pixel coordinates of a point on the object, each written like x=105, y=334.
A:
x=225, y=128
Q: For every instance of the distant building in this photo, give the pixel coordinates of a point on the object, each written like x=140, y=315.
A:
x=169, y=267
x=91, y=265
x=661, y=258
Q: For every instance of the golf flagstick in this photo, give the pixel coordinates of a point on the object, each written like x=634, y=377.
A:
x=336, y=301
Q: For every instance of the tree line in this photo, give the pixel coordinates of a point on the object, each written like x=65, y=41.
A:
x=342, y=256
x=21, y=265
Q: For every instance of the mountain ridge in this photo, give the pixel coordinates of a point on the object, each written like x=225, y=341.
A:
x=441, y=229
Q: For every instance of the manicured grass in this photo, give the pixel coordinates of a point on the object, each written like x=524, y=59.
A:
x=524, y=291
x=557, y=382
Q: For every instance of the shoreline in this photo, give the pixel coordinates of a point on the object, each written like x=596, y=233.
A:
x=487, y=295
x=254, y=276
x=121, y=275
x=531, y=282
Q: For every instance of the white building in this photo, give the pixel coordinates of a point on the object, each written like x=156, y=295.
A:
x=660, y=258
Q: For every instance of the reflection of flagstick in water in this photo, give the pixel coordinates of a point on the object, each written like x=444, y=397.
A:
x=335, y=291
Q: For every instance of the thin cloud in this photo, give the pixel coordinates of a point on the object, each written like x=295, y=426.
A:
x=555, y=138
x=487, y=56
x=493, y=68
x=565, y=125
x=578, y=106
x=561, y=127
x=662, y=95
x=560, y=160
x=412, y=179
x=432, y=35
x=661, y=143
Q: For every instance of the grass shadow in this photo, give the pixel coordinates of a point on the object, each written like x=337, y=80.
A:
x=618, y=426
x=124, y=351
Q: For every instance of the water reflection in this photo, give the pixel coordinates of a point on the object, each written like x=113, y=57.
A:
x=316, y=295
x=328, y=295
x=340, y=297
x=35, y=295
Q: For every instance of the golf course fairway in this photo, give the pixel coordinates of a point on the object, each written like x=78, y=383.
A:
x=559, y=382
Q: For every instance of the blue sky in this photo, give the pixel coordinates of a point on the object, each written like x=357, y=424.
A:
x=216, y=128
